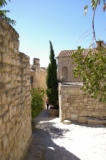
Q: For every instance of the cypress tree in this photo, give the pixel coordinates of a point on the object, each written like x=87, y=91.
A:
x=51, y=79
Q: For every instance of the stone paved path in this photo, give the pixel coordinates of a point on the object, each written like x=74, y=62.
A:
x=56, y=141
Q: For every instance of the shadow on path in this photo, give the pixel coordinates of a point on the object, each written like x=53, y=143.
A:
x=53, y=130
x=53, y=140
x=43, y=148
x=44, y=116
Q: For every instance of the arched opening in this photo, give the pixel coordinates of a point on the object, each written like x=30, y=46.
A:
x=65, y=72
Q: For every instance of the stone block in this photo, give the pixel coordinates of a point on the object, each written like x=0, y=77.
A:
x=5, y=24
x=75, y=91
x=74, y=117
x=5, y=141
x=96, y=121
x=7, y=127
x=1, y=145
x=0, y=120
x=8, y=85
x=95, y=114
x=5, y=43
x=4, y=109
x=2, y=33
x=5, y=78
x=12, y=134
x=4, y=67
x=12, y=123
x=0, y=100
x=66, y=104
x=4, y=98
x=82, y=120
x=5, y=117
x=85, y=100
x=2, y=49
x=63, y=91
x=0, y=57
x=2, y=130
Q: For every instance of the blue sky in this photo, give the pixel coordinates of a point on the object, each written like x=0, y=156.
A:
x=60, y=21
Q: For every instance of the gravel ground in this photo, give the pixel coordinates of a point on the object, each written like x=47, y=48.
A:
x=53, y=140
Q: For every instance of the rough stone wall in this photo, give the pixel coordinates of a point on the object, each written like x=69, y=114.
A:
x=15, y=114
x=74, y=103
x=66, y=61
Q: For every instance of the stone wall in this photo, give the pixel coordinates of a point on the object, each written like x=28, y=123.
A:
x=15, y=113
x=75, y=104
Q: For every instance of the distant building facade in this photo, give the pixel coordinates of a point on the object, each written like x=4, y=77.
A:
x=38, y=76
x=66, y=66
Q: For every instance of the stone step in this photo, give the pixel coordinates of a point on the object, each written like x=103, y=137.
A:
x=96, y=121
x=87, y=120
x=82, y=120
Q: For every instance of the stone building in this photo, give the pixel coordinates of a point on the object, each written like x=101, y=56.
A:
x=66, y=66
x=74, y=104
x=38, y=76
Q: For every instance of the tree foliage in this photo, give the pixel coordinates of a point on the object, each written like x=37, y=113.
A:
x=3, y=13
x=94, y=4
x=51, y=79
x=91, y=68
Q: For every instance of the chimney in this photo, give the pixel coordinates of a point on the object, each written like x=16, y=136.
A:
x=100, y=44
x=36, y=64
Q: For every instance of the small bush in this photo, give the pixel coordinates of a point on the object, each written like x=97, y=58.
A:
x=36, y=101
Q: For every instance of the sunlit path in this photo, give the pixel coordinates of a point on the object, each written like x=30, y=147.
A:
x=54, y=140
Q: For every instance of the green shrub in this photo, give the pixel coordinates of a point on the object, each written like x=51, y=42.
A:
x=36, y=101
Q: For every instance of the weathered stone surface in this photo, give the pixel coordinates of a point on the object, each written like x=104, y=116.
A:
x=74, y=117
x=15, y=115
x=82, y=120
x=2, y=130
x=96, y=121
x=0, y=120
x=75, y=103
x=5, y=141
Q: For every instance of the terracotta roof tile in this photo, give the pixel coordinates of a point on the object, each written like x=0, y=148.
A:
x=67, y=53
